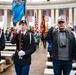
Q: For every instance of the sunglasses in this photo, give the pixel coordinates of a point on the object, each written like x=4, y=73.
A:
x=60, y=22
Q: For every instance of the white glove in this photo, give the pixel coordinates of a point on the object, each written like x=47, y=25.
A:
x=19, y=28
x=21, y=53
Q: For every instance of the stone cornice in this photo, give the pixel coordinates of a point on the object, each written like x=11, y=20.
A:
x=44, y=5
x=51, y=5
x=9, y=2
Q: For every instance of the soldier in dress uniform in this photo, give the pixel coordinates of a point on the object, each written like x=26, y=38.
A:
x=22, y=58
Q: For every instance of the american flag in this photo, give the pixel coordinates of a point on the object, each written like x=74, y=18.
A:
x=36, y=23
x=43, y=28
x=29, y=16
x=46, y=13
x=62, y=13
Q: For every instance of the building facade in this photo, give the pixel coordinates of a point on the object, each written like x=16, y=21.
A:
x=56, y=8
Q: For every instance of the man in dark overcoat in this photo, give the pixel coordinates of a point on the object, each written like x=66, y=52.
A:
x=2, y=41
x=63, y=48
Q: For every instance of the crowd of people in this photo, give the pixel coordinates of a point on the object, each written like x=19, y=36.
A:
x=38, y=36
x=61, y=41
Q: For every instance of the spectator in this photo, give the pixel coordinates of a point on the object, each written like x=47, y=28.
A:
x=8, y=34
x=2, y=41
x=63, y=48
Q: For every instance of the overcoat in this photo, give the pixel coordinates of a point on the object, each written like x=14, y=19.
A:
x=2, y=43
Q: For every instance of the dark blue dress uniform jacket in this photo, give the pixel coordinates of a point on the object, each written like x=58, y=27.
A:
x=26, y=46
x=2, y=43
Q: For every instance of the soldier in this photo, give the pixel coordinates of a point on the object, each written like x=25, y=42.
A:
x=22, y=58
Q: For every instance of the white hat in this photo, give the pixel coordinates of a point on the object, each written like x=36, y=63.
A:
x=61, y=19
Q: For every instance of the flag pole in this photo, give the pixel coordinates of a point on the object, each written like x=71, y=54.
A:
x=25, y=9
x=20, y=31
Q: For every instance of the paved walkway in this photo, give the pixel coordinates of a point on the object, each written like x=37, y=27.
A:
x=38, y=63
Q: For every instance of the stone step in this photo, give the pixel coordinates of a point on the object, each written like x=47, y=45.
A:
x=49, y=64
x=50, y=72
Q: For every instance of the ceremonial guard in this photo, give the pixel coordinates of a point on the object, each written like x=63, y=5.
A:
x=25, y=47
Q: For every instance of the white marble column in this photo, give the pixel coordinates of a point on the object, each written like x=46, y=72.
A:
x=35, y=12
x=75, y=16
x=39, y=18
x=52, y=17
x=5, y=19
x=70, y=15
x=9, y=19
x=57, y=15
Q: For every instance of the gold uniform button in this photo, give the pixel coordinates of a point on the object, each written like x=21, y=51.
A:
x=21, y=40
x=21, y=47
x=21, y=43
